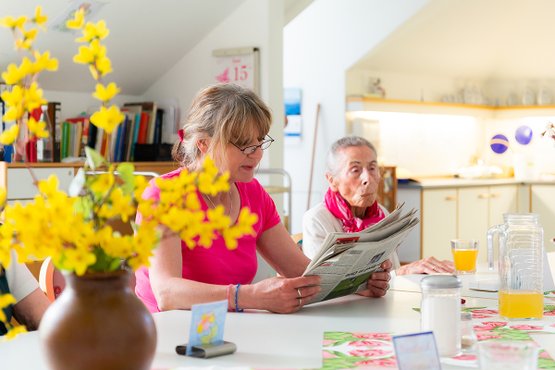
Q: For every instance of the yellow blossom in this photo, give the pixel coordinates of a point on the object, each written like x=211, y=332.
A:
x=37, y=128
x=78, y=260
x=15, y=331
x=6, y=300
x=94, y=31
x=44, y=62
x=78, y=20
x=39, y=18
x=108, y=118
x=3, y=196
x=8, y=136
x=33, y=97
x=106, y=93
x=13, y=23
x=103, y=65
x=12, y=75
x=102, y=183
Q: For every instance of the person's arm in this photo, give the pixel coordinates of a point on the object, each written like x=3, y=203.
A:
x=29, y=310
x=275, y=294
x=170, y=289
x=429, y=265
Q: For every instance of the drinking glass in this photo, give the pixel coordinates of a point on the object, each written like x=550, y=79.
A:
x=508, y=355
x=465, y=253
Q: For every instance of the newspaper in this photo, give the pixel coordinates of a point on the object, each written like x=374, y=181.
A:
x=346, y=260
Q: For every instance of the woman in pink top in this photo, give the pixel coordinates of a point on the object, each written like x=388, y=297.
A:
x=231, y=124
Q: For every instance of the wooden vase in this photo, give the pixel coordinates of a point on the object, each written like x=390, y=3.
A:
x=98, y=323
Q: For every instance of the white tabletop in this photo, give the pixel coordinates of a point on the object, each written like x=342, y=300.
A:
x=263, y=339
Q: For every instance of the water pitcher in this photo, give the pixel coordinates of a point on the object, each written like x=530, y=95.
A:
x=520, y=265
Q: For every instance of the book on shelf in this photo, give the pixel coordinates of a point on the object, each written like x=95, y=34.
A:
x=346, y=261
x=148, y=120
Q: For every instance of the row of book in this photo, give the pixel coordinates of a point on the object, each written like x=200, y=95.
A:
x=138, y=137
x=143, y=124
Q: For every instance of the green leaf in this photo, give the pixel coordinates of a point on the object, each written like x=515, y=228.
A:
x=94, y=158
x=125, y=172
x=77, y=183
x=84, y=206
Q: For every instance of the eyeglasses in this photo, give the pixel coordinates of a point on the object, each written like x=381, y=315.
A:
x=252, y=148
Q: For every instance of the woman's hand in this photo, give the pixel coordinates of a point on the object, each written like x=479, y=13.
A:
x=279, y=294
x=378, y=284
x=428, y=265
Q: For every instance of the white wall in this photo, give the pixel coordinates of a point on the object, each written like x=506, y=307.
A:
x=255, y=23
x=320, y=45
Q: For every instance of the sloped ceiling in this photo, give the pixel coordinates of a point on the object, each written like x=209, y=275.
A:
x=482, y=39
x=147, y=37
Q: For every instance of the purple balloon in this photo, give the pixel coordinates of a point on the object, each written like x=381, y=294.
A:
x=499, y=144
x=523, y=135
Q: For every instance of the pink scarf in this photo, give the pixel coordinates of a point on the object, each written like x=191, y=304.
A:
x=341, y=210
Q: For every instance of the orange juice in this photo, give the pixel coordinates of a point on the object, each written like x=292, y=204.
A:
x=521, y=305
x=465, y=259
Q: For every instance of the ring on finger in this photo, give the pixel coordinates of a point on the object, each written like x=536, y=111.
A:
x=299, y=293
x=300, y=301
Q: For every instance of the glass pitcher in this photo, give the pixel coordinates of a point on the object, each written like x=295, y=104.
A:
x=520, y=265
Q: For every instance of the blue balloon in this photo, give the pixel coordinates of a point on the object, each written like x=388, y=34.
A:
x=499, y=144
x=523, y=135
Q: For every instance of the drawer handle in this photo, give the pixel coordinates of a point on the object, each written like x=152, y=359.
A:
x=483, y=196
x=494, y=195
x=450, y=198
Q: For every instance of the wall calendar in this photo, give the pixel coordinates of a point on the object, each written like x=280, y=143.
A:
x=237, y=65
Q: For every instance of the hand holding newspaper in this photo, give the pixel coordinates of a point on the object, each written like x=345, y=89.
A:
x=346, y=260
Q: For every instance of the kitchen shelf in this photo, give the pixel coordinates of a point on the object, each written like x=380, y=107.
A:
x=359, y=103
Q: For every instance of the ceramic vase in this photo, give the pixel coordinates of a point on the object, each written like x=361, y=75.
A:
x=98, y=323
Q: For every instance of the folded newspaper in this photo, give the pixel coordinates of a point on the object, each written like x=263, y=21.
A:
x=346, y=260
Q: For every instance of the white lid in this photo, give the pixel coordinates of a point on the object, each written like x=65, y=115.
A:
x=441, y=282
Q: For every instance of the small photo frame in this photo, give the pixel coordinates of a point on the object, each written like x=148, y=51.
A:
x=207, y=325
x=416, y=351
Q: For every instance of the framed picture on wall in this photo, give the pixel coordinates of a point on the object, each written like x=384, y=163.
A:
x=237, y=65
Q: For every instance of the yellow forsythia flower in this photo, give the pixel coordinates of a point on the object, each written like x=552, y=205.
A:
x=15, y=331
x=13, y=23
x=12, y=75
x=108, y=118
x=3, y=196
x=106, y=93
x=37, y=128
x=78, y=20
x=44, y=62
x=94, y=31
x=39, y=18
x=8, y=136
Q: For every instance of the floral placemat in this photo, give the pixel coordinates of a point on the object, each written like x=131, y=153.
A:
x=350, y=350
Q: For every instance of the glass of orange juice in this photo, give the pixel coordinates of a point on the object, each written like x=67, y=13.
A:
x=465, y=253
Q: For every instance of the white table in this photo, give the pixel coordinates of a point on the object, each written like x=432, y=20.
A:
x=263, y=339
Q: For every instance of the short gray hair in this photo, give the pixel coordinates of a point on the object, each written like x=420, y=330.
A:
x=345, y=142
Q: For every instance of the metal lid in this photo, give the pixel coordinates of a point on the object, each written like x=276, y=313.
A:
x=440, y=282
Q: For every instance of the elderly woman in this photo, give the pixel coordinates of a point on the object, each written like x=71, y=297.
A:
x=231, y=124
x=351, y=204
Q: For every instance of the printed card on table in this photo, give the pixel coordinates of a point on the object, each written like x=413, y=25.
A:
x=416, y=351
x=207, y=324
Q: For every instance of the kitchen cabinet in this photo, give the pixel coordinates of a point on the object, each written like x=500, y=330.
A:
x=479, y=208
x=542, y=202
x=438, y=222
x=458, y=211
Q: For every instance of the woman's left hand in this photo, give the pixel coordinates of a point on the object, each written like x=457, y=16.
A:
x=378, y=284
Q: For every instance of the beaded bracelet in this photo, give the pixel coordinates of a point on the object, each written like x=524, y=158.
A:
x=237, y=309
